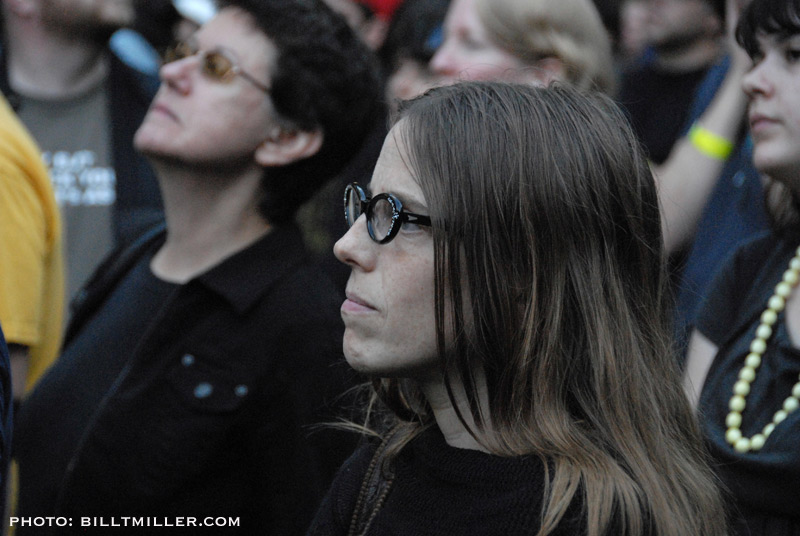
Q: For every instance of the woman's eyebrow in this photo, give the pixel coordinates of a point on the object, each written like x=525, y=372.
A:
x=411, y=203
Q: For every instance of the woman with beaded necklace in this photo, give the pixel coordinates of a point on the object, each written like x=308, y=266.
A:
x=743, y=367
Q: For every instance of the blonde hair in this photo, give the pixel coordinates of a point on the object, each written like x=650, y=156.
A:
x=570, y=30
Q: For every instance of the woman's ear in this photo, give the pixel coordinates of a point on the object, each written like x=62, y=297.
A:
x=286, y=146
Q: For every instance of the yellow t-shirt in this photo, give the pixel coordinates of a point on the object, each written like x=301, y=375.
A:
x=31, y=259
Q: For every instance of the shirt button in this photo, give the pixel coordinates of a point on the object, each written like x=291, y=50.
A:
x=187, y=360
x=203, y=390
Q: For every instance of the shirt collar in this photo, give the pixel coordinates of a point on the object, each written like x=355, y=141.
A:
x=244, y=277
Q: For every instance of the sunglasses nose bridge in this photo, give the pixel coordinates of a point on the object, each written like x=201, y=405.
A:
x=178, y=52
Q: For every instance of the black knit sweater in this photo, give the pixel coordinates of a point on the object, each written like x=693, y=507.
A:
x=444, y=490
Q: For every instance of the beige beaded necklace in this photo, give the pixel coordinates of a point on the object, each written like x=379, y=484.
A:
x=753, y=360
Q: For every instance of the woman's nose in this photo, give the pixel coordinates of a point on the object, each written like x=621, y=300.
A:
x=443, y=61
x=758, y=80
x=177, y=73
x=355, y=247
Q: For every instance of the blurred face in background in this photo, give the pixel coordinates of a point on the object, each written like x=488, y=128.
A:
x=368, y=26
x=633, y=31
x=200, y=120
x=467, y=52
x=772, y=86
x=674, y=24
x=93, y=18
x=415, y=34
x=410, y=78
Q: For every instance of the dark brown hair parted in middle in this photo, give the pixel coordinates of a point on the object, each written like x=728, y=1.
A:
x=551, y=289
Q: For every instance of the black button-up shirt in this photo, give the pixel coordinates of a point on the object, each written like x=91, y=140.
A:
x=208, y=416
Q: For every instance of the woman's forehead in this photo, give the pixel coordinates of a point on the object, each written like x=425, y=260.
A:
x=393, y=173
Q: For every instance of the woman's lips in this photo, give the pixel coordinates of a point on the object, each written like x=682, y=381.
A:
x=354, y=304
x=759, y=123
x=163, y=110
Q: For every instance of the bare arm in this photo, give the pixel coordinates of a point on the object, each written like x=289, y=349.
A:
x=700, y=355
x=688, y=176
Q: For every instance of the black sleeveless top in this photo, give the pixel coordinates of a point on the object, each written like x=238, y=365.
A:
x=765, y=485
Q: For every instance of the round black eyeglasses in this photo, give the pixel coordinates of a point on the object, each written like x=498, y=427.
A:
x=385, y=214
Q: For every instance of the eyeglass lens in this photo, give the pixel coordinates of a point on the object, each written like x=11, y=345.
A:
x=218, y=66
x=380, y=212
x=382, y=215
x=215, y=64
x=352, y=207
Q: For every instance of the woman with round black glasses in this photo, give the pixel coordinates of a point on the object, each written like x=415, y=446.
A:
x=507, y=298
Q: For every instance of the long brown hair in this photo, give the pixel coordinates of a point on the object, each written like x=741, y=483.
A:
x=550, y=281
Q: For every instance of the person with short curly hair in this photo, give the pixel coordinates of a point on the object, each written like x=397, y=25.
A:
x=197, y=358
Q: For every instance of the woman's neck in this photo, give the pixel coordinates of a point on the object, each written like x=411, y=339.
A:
x=456, y=434
x=208, y=219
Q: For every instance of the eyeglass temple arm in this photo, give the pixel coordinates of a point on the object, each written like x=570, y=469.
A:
x=419, y=219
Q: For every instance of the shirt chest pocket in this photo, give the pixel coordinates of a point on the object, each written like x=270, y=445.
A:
x=164, y=429
x=205, y=386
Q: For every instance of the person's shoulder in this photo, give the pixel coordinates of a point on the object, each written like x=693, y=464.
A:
x=753, y=254
x=303, y=283
x=107, y=276
x=274, y=271
x=336, y=510
x=738, y=285
x=352, y=471
x=16, y=141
